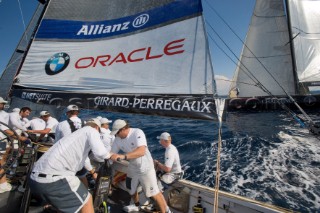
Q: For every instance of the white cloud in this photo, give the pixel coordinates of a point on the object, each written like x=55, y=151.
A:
x=223, y=84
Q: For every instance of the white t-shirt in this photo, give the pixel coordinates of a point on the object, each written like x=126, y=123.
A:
x=52, y=124
x=63, y=128
x=16, y=122
x=4, y=118
x=68, y=155
x=172, y=159
x=135, y=139
x=37, y=124
x=106, y=138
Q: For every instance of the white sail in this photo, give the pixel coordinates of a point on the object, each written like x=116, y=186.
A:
x=268, y=40
x=158, y=50
x=305, y=26
x=140, y=56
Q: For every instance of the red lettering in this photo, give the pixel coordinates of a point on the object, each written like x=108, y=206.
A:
x=83, y=60
x=152, y=57
x=137, y=59
x=168, y=47
x=121, y=57
x=171, y=48
x=102, y=62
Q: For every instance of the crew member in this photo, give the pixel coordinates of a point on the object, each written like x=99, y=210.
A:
x=171, y=169
x=17, y=121
x=132, y=141
x=68, y=126
x=53, y=175
x=106, y=137
x=50, y=128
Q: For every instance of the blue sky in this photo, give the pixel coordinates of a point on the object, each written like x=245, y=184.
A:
x=237, y=14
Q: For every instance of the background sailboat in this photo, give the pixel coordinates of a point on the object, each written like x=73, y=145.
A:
x=280, y=54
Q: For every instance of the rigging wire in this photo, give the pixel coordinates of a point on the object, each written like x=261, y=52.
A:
x=247, y=71
x=23, y=22
x=295, y=116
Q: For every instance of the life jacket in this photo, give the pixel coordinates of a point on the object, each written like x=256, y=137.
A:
x=72, y=126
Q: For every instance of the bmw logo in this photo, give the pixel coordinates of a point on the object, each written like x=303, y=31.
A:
x=57, y=63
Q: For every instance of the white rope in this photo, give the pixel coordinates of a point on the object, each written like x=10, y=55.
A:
x=220, y=105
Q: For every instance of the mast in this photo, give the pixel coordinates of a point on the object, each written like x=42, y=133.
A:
x=294, y=65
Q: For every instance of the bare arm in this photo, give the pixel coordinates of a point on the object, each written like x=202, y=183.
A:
x=43, y=131
x=138, y=152
x=162, y=167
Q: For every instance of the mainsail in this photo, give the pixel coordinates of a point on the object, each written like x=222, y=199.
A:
x=137, y=56
x=305, y=27
x=266, y=49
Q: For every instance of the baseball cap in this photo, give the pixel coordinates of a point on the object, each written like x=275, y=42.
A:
x=117, y=125
x=16, y=110
x=164, y=136
x=44, y=113
x=72, y=107
x=95, y=121
x=105, y=121
x=2, y=101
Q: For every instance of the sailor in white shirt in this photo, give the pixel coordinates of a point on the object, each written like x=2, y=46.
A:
x=37, y=123
x=4, y=118
x=50, y=126
x=133, y=143
x=106, y=137
x=16, y=120
x=53, y=175
x=172, y=167
x=71, y=124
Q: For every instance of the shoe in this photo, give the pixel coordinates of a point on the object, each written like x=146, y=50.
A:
x=150, y=207
x=131, y=208
x=6, y=188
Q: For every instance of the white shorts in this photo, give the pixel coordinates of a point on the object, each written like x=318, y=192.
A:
x=147, y=180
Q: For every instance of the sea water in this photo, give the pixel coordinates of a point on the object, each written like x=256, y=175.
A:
x=265, y=156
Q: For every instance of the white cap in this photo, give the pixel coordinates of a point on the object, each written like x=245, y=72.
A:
x=105, y=121
x=2, y=101
x=99, y=117
x=72, y=107
x=44, y=113
x=95, y=121
x=164, y=136
x=16, y=110
x=117, y=125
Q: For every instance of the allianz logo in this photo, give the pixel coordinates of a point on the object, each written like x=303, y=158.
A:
x=97, y=29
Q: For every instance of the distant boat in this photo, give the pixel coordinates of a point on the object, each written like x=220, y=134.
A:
x=149, y=57
x=280, y=57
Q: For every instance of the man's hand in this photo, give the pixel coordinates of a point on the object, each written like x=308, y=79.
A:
x=115, y=157
x=95, y=176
